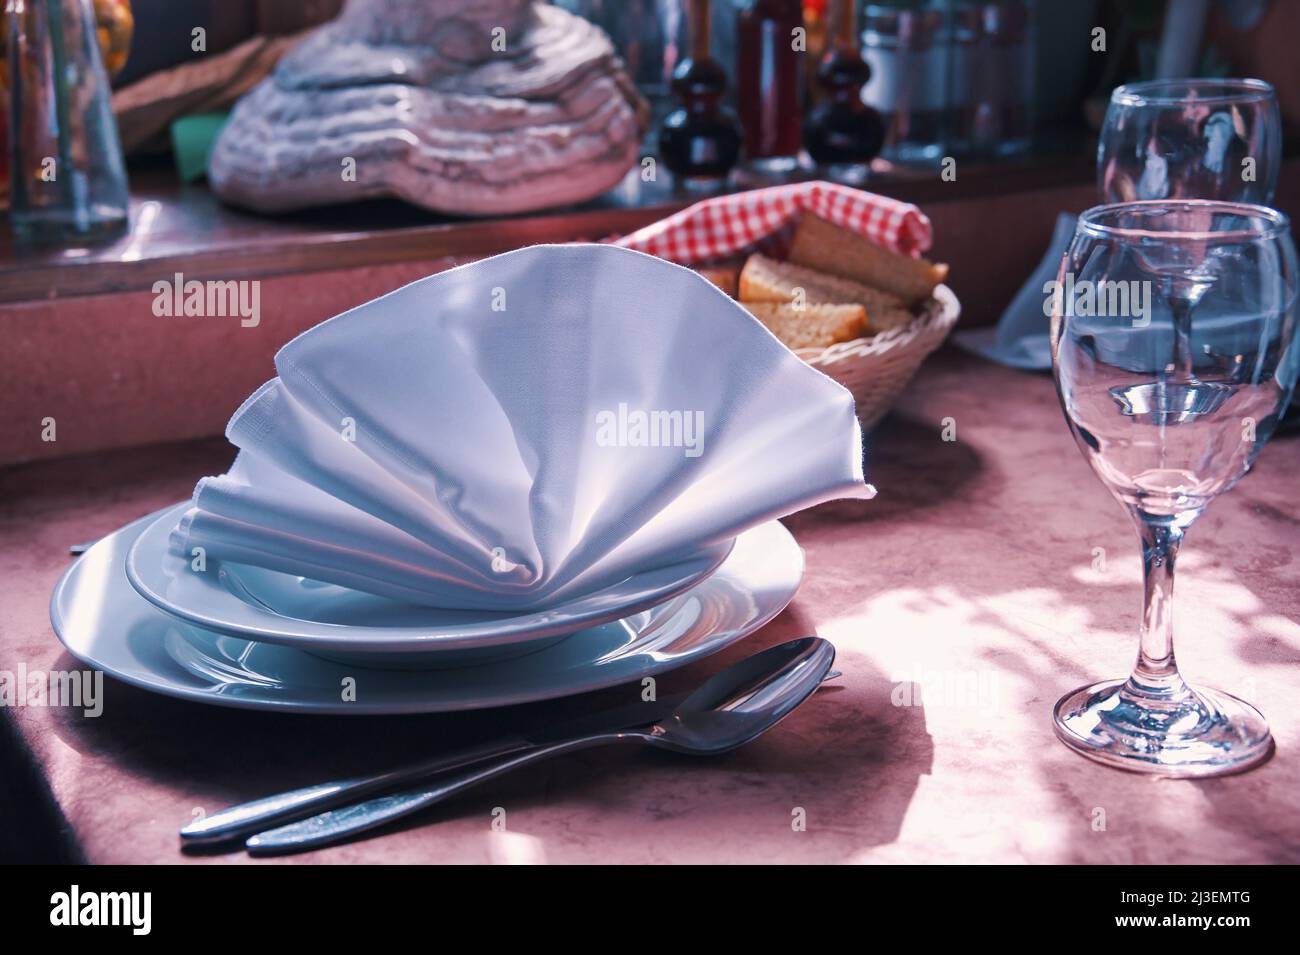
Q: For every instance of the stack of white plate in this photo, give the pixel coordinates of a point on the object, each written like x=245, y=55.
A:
x=244, y=636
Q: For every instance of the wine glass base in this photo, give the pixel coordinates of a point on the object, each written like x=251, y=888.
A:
x=1205, y=733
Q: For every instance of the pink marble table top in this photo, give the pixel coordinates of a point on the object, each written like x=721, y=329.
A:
x=993, y=570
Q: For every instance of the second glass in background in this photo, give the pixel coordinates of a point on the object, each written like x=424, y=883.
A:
x=1191, y=139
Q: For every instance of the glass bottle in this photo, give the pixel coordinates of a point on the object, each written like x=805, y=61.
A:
x=768, y=82
x=68, y=178
x=843, y=134
x=699, y=141
x=992, y=77
x=909, y=51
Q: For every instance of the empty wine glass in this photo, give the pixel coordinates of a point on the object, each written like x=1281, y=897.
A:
x=1175, y=348
x=1191, y=139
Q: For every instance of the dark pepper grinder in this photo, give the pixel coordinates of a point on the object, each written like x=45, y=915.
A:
x=700, y=140
x=842, y=133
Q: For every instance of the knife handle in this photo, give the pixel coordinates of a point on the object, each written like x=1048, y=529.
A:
x=249, y=817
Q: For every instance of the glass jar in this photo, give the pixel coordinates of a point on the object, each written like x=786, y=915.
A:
x=951, y=77
x=68, y=177
x=910, y=54
x=992, y=78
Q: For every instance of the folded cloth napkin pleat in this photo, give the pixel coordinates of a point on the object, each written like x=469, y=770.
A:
x=521, y=431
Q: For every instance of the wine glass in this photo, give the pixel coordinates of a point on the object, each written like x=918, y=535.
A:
x=1191, y=139
x=1175, y=348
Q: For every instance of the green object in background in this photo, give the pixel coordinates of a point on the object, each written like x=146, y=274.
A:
x=192, y=140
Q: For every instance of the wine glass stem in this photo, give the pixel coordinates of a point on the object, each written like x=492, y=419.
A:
x=1181, y=307
x=1155, y=676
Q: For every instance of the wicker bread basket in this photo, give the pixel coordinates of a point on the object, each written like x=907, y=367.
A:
x=877, y=368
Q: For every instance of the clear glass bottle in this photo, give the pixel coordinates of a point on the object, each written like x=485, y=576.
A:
x=68, y=177
x=910, y=54
x=952, y=77
x=992, y=76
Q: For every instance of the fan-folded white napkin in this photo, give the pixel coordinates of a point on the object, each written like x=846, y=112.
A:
x=523, y=430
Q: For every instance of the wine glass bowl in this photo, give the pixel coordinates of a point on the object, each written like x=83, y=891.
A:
x=1191, y=138
x=1174, y=345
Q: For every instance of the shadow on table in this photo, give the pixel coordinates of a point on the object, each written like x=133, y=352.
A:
x=911, y=465
x=847, y=763
x=32, y=827
x=1014, y=522
x=1107, y=815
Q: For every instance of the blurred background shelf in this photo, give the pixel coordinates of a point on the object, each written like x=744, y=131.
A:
x=184, y=228
x=86, y=348
x=84, y=336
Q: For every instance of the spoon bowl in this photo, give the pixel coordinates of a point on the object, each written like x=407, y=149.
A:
x=745, y=700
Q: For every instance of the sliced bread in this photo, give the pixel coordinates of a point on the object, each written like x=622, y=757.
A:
x=821, y=245
x=722, y=274
x=767, y=280
x=812, y=326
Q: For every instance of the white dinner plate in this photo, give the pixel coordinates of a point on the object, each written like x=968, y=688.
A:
x=106, y=624
x=272, y=607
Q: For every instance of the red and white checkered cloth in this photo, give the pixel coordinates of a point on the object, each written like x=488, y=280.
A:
x=725, y=225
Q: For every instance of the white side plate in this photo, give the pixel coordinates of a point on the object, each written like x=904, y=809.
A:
x=103, y=622
x=271, y=607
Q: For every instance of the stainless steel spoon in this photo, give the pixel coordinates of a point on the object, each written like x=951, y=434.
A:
x=244, y=819
x=731, y=709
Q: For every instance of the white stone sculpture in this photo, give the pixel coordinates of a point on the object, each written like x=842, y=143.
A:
x=472, y=108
